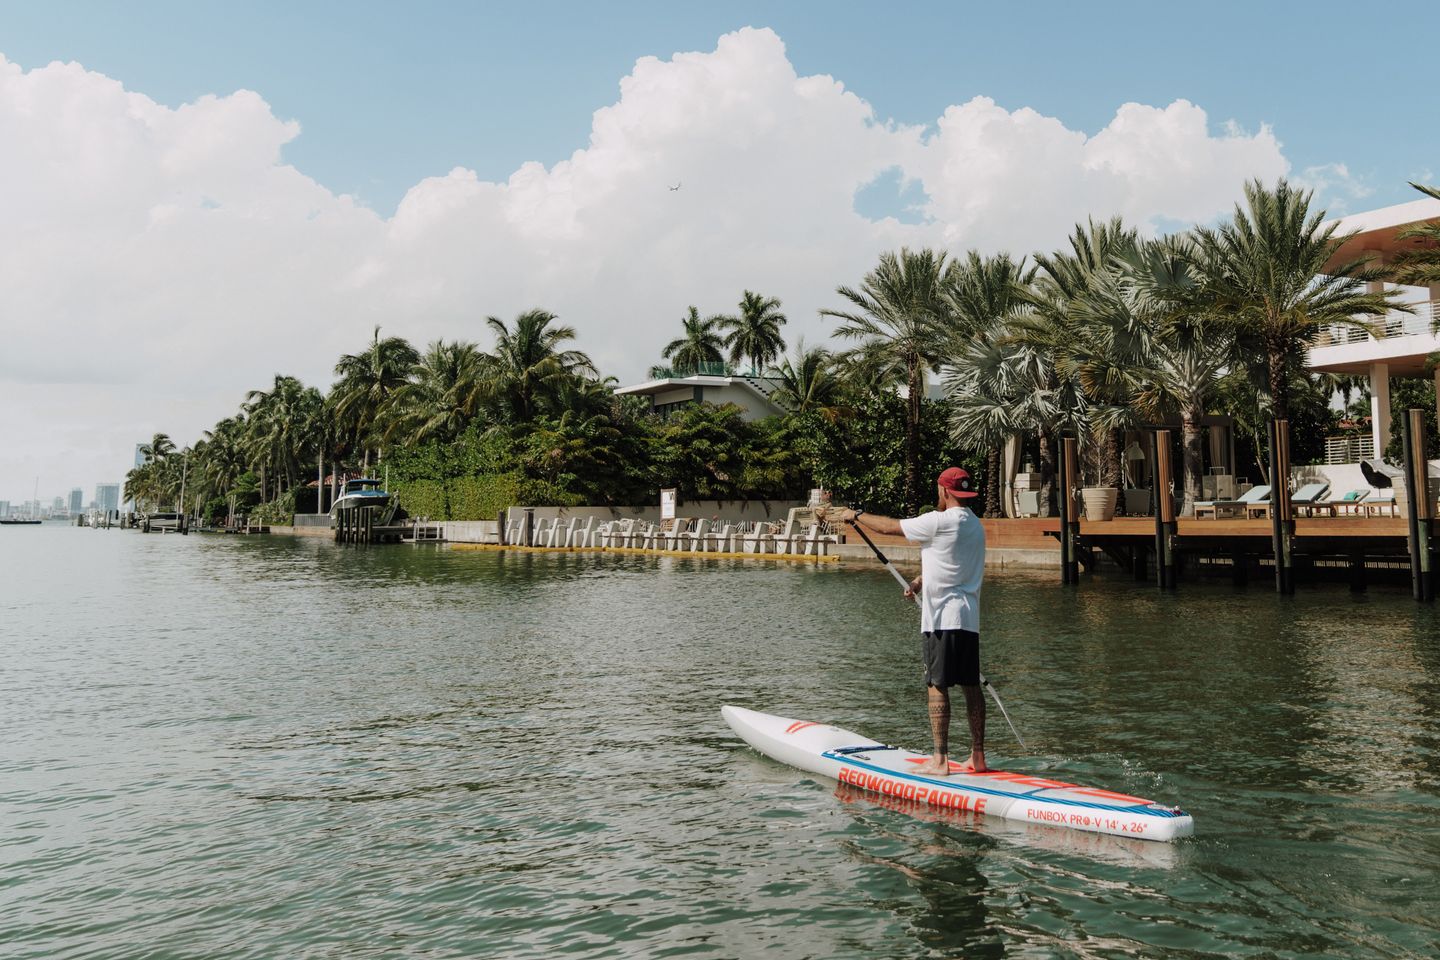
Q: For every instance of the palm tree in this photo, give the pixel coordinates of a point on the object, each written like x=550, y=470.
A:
x=1090, y=340
x=1157, y=288
x=367, y=382
x=1270, y=279
x=447, y=390
x=754, y=332
x=276, y=436
x=700, y=344
x=528, y=363
x=159, y=447
x=1420, y=267
x=898, y=324
x=807, y=381
x=983, y=293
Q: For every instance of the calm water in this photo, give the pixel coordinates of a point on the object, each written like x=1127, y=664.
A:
x=254, y=747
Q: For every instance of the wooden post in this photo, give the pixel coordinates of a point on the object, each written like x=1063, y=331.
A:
x=1420, y=507
x=1069, y=518
x=1282, y=524
x=1164, y=511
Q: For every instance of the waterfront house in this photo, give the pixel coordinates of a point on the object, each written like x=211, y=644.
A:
x=1401, y=343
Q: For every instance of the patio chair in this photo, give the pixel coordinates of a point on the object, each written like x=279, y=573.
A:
x=694, y=537
x=719, y=540
x=748, y=537
x=778, y=542
x=1230, y=508
x=579, y=533
x=559, y=533
x=1310, y=496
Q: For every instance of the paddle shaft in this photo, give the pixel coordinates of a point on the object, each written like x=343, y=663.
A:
x=905, y=584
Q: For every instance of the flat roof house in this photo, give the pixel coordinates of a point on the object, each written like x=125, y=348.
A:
x=668, y=394
x=1403, y=340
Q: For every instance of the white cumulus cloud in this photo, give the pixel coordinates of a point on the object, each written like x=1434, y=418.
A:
x=155, y=263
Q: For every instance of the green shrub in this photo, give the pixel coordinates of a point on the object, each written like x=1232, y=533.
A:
x=482, y=497
x=421, y=498
x=276, y=513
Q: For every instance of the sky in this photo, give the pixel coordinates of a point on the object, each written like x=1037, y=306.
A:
x=196, y=197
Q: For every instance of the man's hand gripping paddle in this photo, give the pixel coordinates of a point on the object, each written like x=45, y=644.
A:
x=905, y=585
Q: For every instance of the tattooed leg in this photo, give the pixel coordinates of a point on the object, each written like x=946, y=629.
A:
x=975, y=711
x=939, y=763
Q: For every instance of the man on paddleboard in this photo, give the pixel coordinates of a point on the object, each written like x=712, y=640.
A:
x=952, y=565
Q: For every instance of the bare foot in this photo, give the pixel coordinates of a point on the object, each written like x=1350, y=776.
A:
x=976, y=763
x=935, y=767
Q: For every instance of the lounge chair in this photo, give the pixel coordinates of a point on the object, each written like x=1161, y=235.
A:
x=1379, y=502
x=1241, y=504
x=1310, y=496
x=1352, y=503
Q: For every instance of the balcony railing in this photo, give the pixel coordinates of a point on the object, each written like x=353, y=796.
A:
x=1393, y=324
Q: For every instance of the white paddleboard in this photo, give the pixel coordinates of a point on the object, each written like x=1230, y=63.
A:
x=889, y=771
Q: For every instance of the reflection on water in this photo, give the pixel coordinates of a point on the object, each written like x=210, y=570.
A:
x=260, y=747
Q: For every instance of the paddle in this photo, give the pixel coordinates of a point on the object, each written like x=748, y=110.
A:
x=905, y=584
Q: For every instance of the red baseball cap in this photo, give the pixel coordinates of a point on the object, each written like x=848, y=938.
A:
x=958, y=482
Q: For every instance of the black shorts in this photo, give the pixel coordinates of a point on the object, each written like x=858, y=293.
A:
x=952, y=658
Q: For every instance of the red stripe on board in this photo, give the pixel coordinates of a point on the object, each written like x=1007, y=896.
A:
x=799, y=725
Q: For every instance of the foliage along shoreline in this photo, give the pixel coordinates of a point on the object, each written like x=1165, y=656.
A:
x=1110, y=332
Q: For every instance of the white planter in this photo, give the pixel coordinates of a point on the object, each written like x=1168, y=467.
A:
x=1099, y=502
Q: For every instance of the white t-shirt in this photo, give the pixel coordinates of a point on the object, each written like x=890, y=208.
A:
x=952, y=563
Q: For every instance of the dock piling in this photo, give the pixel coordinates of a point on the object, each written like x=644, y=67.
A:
x=1164, y=504
x=1282, y=524
x=1420, y=507
x=1069, y=518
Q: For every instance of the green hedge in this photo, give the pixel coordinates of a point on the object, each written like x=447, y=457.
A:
x=478, y=498
x=421, y=498
x=482, y=497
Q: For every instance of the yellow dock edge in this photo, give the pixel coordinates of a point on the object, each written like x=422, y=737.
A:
x=636, y=551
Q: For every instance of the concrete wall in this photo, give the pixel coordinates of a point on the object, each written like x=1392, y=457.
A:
x=472, y=531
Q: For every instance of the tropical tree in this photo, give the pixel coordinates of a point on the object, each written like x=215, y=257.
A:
x=159, y=447
x=367, y=382
x=1271, y=280
x=529, y=363
x=808, y=381
x=1421, y=266
x=754, y=332
x=699, y=345
x=983, y=294
x=1090, y=340
x=447, y=389
x=276, y=429
x=1182, y=351
x=896, y=319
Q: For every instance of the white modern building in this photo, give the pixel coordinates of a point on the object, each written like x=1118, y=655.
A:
x=1402, y=341
x=668, y=394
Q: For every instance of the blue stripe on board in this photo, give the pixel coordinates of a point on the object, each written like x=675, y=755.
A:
x=1143, y=810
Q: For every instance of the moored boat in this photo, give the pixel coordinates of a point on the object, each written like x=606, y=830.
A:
x=363, y=492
